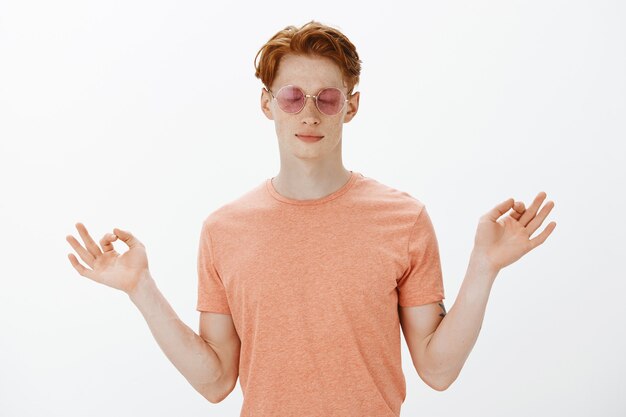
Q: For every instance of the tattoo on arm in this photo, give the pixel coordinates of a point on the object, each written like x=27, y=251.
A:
x=442, y=308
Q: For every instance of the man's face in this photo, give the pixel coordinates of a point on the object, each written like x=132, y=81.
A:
x=311, y=74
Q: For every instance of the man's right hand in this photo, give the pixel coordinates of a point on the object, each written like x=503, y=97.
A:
x=108, y=267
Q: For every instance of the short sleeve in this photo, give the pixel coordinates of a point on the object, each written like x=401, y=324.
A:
x=211, y=291
x=422, y=282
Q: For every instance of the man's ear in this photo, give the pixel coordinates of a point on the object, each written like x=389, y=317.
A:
x=266, y=99
x=353, y=106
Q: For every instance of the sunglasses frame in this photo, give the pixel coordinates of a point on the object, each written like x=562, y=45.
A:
x=306, y=96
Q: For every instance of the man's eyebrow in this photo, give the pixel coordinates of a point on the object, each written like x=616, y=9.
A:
x=315, y=90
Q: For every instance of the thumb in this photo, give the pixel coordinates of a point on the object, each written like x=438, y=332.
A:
x=500, y=209
x=127, y=237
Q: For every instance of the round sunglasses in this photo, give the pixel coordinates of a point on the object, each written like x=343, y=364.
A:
x=291, y=99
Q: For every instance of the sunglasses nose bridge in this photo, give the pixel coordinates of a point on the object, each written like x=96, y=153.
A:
x=313, y=98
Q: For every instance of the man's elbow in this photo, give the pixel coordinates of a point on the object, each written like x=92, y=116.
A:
x=218, y=391
x=217, y=397
x=216, y=400
x=439, y=387
x=227, y=388
x=437, y=382
x=441, y=384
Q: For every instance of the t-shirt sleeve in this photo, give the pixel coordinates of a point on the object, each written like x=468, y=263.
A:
x=211, y=291
x=422, y=282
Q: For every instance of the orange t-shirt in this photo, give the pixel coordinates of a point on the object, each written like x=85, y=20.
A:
x=313, y=287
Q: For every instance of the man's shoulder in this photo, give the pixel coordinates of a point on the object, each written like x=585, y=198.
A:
x=389, y=195
x=241, y=207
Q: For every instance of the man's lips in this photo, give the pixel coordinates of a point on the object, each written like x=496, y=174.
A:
x=308, y=136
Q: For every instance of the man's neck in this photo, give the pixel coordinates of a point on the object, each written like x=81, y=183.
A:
x=303, y=184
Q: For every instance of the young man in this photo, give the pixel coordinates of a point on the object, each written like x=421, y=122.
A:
x=306, y=280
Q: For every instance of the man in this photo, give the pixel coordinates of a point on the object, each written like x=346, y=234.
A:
x=305, y=280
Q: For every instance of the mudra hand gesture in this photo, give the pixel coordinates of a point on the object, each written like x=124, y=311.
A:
x=108, y=267
x=501, y=241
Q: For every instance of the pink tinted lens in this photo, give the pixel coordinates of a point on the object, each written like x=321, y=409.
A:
x=330, y=101
x=290, y=99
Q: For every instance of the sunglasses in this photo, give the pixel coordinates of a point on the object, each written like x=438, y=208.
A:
x=291, y=99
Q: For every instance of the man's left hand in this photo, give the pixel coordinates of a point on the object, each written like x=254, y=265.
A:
x=500, y=242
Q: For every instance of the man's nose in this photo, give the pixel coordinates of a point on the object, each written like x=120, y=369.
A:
x=310, y=114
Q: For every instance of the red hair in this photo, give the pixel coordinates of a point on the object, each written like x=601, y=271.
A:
x=313, y=38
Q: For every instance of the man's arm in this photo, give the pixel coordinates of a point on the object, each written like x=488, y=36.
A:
x=194, y=357
x=441, y=342
x=209, y=361
x=499, y=242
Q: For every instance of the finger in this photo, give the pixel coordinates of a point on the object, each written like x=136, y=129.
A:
x=541, y=237
x=500, y=209
x=127, y=237
x=106, y=242
x=532, y=210
x=518, y=210
x=82, y=252
x=78, y=267
x=539, y=218
x=89, y=243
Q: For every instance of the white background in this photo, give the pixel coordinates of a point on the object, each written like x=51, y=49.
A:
x=145, y=116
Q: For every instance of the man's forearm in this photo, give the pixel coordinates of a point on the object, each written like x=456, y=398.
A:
x=189, y=353
x=452, y=342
